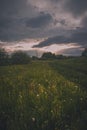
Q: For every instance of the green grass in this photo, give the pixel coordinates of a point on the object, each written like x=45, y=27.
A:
x=44, y=95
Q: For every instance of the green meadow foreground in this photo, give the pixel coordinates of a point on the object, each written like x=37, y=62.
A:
x=44, y=95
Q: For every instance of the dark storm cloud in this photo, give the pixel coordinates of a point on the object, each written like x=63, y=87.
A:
x=10, y=7
x=39, y=21
x=61, y=22
x=77, y=37
x=80, y=38
x=8, y=10
x=72, y=51
x=52, y=40
x=76, y=7
x=5, y=23
x=84, y=22
x=11, y=14
x=21, y=19
x=55, y=1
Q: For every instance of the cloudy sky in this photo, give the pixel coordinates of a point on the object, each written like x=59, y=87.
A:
x=59, y=26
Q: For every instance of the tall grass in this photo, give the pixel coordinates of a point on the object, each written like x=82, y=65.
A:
x=42, y=96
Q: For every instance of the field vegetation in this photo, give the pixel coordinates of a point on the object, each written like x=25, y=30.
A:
x=44, y=95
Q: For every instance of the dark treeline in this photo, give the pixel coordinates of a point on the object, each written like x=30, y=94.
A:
x=84, y=53
x=17, y=57
x=21, y=57
x=4, y=58
x=49, y=55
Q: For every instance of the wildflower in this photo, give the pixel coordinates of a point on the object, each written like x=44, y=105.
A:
x=37, y=95
x=76, y=86
x=45, y=92
x=33, y=119
x=51, y=111
x=81, y=99
x=64, y=100
x=70, y=99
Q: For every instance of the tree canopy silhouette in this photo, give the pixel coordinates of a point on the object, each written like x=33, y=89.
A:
x=48, y=55
x=20, y=57
x=84, y=53
x=3, y=57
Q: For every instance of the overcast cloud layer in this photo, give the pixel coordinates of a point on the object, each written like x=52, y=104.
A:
x=58, y=21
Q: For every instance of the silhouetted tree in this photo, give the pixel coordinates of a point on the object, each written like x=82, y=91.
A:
x=48, y=55
x=84, y=53
x=3, y=57
x=20, y=57
x=60, y=57
x=34, y=58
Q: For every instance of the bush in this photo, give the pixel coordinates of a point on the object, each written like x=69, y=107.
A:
x=20, y=57
x=3, y=57
x=48, y=55
x=84, y=53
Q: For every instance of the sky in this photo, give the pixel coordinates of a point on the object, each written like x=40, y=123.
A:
x=38, y=26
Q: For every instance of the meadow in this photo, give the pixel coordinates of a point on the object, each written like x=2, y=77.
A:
x=44, y=95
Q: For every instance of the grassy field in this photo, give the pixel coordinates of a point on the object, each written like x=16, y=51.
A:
x=44, y=95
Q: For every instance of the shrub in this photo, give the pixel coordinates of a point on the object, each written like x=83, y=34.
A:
x=20, y=57
x=3, y=57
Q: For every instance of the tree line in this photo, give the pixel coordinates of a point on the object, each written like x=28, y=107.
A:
x=21, y=57
x=17, y=57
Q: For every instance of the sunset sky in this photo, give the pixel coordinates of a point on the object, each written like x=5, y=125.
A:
x=37, y=26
